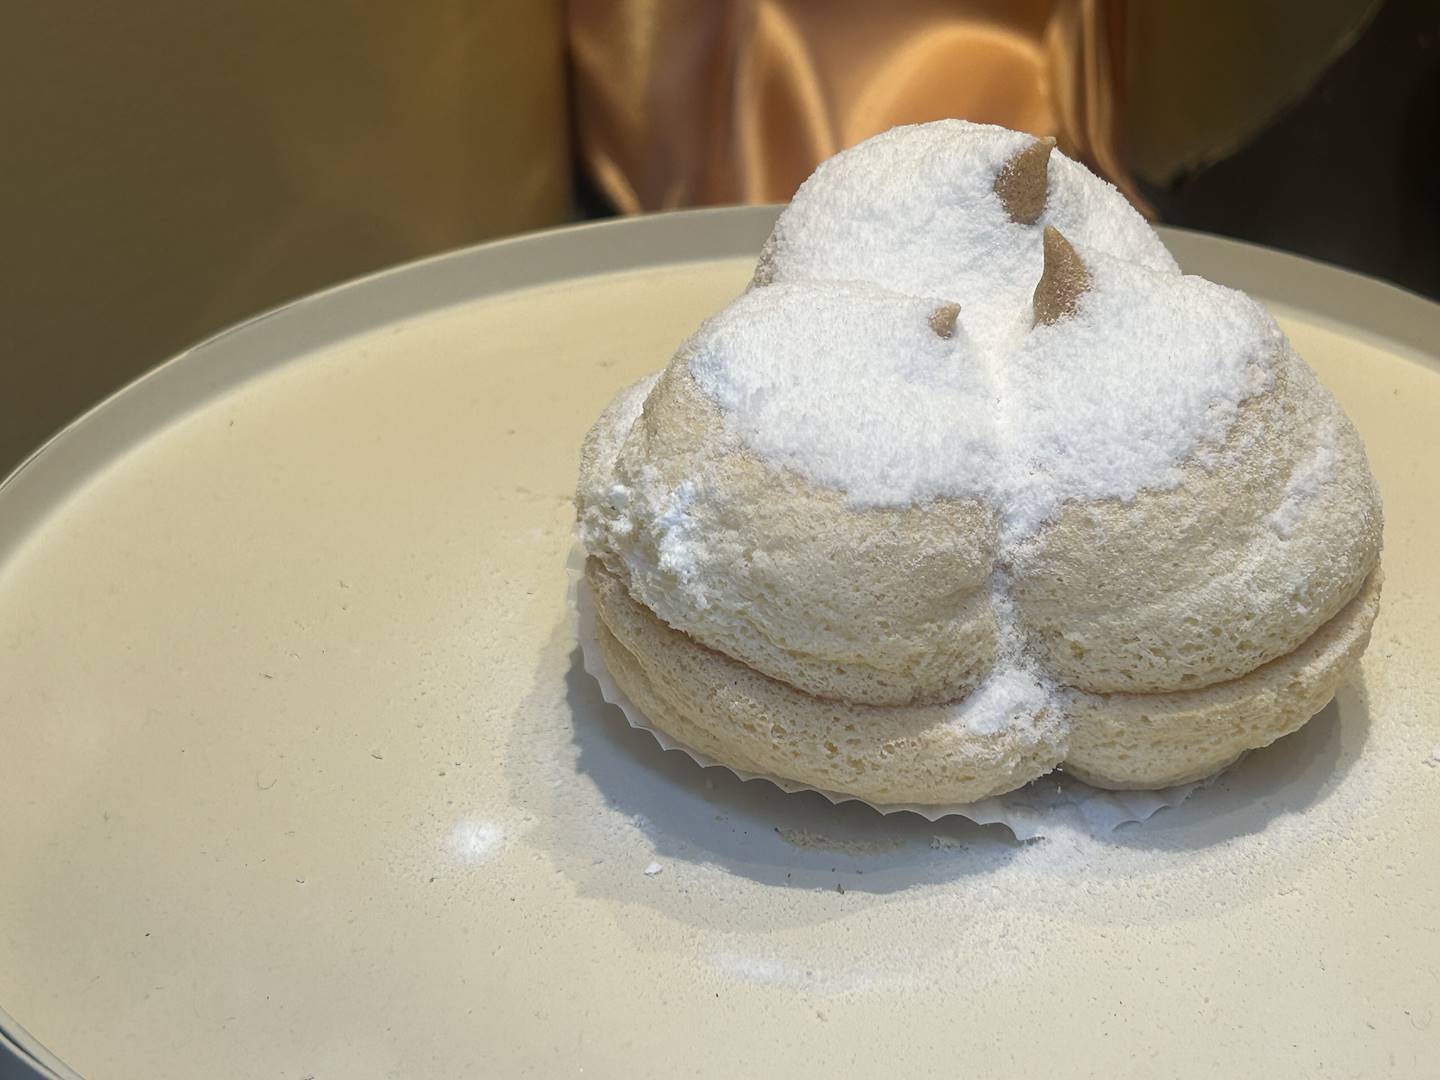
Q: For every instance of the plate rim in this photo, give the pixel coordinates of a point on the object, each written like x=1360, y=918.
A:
x=1392, y=313
x=1404, y=321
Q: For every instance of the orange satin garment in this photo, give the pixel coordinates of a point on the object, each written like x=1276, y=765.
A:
x=702, y=102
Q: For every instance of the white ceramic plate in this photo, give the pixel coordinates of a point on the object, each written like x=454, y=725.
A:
x=301, y=776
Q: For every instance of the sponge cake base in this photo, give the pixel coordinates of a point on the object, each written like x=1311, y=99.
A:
x=1158, y=740
x=721, y=708
x=922, y=755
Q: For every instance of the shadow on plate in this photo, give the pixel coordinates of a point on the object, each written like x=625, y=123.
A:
x=753, y=831
x=1287, y=777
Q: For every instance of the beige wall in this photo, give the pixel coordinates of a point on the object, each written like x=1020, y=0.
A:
x=170, y=166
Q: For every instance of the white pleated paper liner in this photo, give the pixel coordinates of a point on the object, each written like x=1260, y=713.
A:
x=1027, y=812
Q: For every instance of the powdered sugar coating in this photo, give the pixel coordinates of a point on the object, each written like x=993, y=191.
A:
x=914, y=211
x=848, y=385
x=1014, y=693
x=1103, y=404
x=1113, y=400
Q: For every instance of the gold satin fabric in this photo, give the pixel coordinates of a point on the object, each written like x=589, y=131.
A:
x=701, y=102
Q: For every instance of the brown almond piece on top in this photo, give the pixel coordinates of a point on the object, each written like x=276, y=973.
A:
x=942, y=320
x=1063, y=281
x=1023, y=182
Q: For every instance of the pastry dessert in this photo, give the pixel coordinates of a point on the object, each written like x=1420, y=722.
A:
x=972, y=483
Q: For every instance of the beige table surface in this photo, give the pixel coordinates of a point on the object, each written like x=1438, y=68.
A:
x=301, y=778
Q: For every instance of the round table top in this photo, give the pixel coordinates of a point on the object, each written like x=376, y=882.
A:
x=303, y=777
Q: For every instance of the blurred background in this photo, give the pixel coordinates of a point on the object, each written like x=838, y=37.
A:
x=169, y=167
